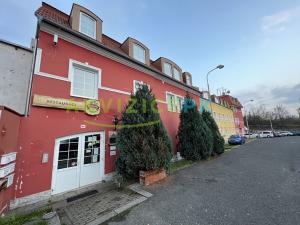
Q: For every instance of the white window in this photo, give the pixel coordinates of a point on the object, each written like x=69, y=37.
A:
x=84, y=82
x=176, y=74
x=87, y=25
x=167, y=69
x=171, y=102
x=188, y=82
x=139, y=53
x=138, y=85
x=179, y=103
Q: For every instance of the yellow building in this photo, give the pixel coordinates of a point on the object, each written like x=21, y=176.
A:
x=224, y=119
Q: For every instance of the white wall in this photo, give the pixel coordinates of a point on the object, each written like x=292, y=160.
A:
x=15, y=69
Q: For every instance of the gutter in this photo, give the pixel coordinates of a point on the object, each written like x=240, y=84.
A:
x=75, y=33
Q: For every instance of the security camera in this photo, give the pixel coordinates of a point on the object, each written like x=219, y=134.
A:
x=55, y=39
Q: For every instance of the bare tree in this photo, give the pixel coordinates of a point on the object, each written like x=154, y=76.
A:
x=298, y=110
x=279, y=112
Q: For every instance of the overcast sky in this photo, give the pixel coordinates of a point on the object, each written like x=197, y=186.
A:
x=258, y=41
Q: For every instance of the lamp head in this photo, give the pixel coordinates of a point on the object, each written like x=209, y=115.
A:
x=220, y=66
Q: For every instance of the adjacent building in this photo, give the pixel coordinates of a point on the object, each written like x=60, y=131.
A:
x=236, y=107
x=16, y=63
x=221, y=112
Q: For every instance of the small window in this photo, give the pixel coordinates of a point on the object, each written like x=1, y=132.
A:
x=87, y=25
x=167, y=69
x=84, y=83
x=139, y=53
x=176, y=74
x=188, y=80
x=179, y=103
x=171, y=103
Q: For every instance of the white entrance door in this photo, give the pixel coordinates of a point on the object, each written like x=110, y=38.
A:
x=78, y=161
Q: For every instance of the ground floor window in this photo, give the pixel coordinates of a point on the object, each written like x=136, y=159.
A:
x=175, y=102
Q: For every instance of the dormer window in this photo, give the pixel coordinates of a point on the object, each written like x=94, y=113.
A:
x=139, y=53
x=167, y=69
x=176, y=74
x=87, y=25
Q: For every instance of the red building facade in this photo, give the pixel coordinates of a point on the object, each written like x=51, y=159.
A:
x=61, y=149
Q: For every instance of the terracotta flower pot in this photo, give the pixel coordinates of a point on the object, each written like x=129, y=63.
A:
x=152, y=176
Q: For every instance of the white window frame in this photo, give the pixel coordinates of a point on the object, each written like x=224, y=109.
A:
x=95, y=25
x=179, y=107
x=175, y=69
x=140, y=83
x=176, y=107
x=72, y=65
x=141, y=47
x=164, y=71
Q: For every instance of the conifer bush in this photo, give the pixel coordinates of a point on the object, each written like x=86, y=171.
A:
x=195, y=138
x=142, y=139
x=218, y=140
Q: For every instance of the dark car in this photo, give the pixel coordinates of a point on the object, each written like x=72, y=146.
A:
x=296, y=133
x=236, y=140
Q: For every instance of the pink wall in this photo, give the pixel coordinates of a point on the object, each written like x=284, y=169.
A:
x=39, y=131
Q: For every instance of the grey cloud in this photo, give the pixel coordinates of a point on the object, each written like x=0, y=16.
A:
x=289, y=96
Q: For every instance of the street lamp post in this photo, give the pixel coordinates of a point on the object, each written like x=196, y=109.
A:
x=251, y=100
x=218, y=67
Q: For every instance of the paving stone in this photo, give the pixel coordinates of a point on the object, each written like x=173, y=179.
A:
x=100, y=206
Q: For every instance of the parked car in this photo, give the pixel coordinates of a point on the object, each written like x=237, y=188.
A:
x=296, y=133
x=277, y=134
x=236, y=140
x=266, y=134
x=250, y=135
x=286, y=133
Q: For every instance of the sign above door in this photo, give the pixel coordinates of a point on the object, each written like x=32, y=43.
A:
x=90, y=106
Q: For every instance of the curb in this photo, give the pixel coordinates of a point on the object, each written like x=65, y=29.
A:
x=138, y=189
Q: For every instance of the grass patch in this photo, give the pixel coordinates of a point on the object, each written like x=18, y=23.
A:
x=180, y=165
x=228, y=146
x=21, y=219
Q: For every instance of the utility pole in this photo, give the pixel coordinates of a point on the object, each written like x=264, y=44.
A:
x=271, y=124
x=244, y=105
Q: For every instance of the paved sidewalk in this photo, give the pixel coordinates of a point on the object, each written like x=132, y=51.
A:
x=99, y=207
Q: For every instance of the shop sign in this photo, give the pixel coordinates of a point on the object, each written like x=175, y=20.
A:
x=90, y=107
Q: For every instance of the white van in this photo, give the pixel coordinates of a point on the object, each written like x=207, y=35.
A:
x=266, y=134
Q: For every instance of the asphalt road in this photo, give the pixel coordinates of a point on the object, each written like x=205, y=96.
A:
x=257, y=183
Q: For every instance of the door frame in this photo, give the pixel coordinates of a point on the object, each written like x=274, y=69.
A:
x=56, y=152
